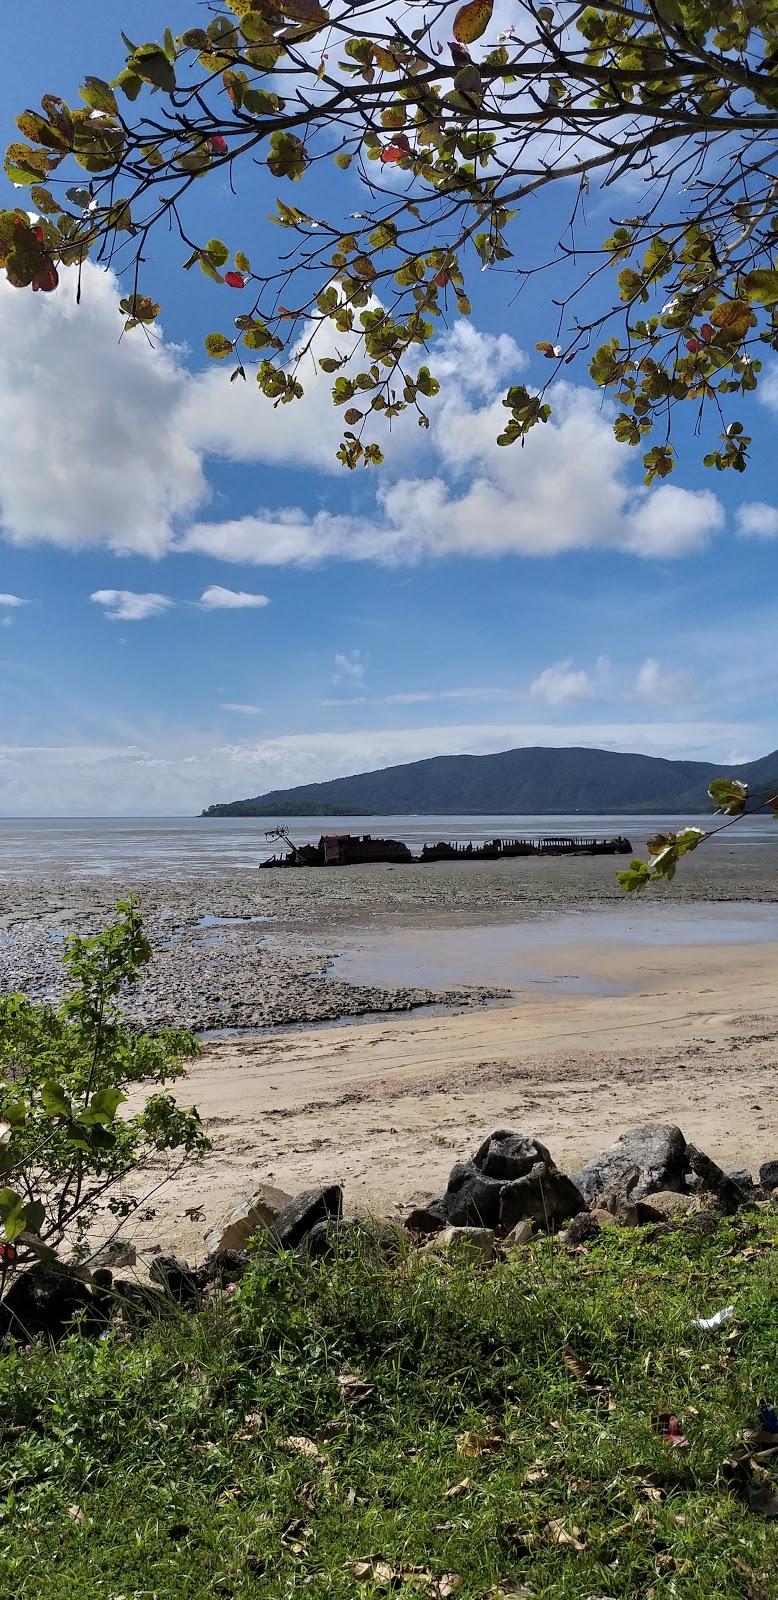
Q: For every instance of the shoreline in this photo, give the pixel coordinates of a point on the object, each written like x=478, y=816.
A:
x=387, y=1108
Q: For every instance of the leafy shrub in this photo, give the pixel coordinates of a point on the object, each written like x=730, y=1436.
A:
x=65, y=1070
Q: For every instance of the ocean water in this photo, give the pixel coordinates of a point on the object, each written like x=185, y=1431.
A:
x=186, y=847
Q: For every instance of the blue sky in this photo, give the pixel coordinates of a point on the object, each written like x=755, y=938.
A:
x=266, y=617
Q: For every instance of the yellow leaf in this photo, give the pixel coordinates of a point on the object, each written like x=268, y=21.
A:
x=472, y=20
x=478, y=1444
x=560, y=1535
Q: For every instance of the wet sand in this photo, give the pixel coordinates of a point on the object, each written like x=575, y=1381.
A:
x=252, y=949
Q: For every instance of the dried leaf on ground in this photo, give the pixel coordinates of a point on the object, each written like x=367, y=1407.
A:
x=479, y=1444
x=232, y=1492
x=570, y=1537
x=354, y=1391
x=669, y=1429
x=76, y=1514
x=296, y=1535
x=306, y=1495
x=587, y=1377
x=302, y=1446
x=332, y=1430
x=253, y=1423
x=457, y=1489
x=381, y=1573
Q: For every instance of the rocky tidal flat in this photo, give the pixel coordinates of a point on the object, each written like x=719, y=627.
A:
x=245, y=949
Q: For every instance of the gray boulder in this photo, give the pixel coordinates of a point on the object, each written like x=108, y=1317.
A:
x=509, y=1155
x=713, y=1180
x=259, y=1208
x=302, y=1214
x=511, y=1177
x=545, y=1196
x=768, y=1175
x=658, y=1152
x=742, y=1176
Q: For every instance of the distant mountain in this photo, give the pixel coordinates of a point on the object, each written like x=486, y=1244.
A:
x=523, y=782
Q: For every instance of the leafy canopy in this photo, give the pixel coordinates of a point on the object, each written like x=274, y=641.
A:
x=64, y=1074
x=444, y=131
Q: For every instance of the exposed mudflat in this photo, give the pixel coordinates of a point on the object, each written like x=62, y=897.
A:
x=254, y=949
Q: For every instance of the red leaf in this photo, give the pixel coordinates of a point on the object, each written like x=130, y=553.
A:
x=46, y=280
x=217, y=145
x=235, y=280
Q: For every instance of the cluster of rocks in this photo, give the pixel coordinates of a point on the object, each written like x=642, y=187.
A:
x=508, y=1191
x=512, y=1187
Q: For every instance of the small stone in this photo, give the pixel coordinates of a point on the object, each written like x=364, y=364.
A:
x=301, y=1215
x=260, y=1208
x=665, y=1204
x=116, y=1253
x=510, y=1155
x=176, y=1277
x=425, y=1219
x=730, y=1195
x=604, y=1218
x=522, y=1233
x=478, y=1244
x=580, y=1228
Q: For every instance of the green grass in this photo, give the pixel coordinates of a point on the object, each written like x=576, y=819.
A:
x=144, y=1437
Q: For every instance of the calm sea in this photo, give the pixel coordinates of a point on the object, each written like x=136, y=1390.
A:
x=181, y=847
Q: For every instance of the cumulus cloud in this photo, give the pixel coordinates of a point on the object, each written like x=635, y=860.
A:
x=567, y=489
x=91, y=452
x=755, y=519
x=11, y=601
x=349, y=667
x=121, y=460
x=563, y=684
x=663, y=687
x=124, y=605
x=215, y=598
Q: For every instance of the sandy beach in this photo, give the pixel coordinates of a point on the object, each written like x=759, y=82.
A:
x=370, y=1025
x=387, y=1108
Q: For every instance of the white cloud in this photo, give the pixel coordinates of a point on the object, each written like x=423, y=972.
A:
x=241, y=708
x=12, y=600
x=663, y=687
x=217, y=599
x=757, y=520
x=123, y=605
x=563, y=684
x=178, y=774
x=349, y=667
x=120, y=461
x=567, y=489
x=91, y=451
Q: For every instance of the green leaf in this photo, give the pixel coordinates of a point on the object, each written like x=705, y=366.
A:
x=762, y=285
x=729, y=795
x=218, y=346
x=34, y=1216
x=12, y=1214
x=151, y=64
x=98, y=94
x=55, y=1101
x=217, y=252
x=288, y=158
x=636, y=876
x=103, y=1106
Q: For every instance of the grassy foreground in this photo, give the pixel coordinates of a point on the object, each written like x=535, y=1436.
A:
x=499, y=1438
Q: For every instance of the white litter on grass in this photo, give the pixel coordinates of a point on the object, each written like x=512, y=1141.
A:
x=710, y=1324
